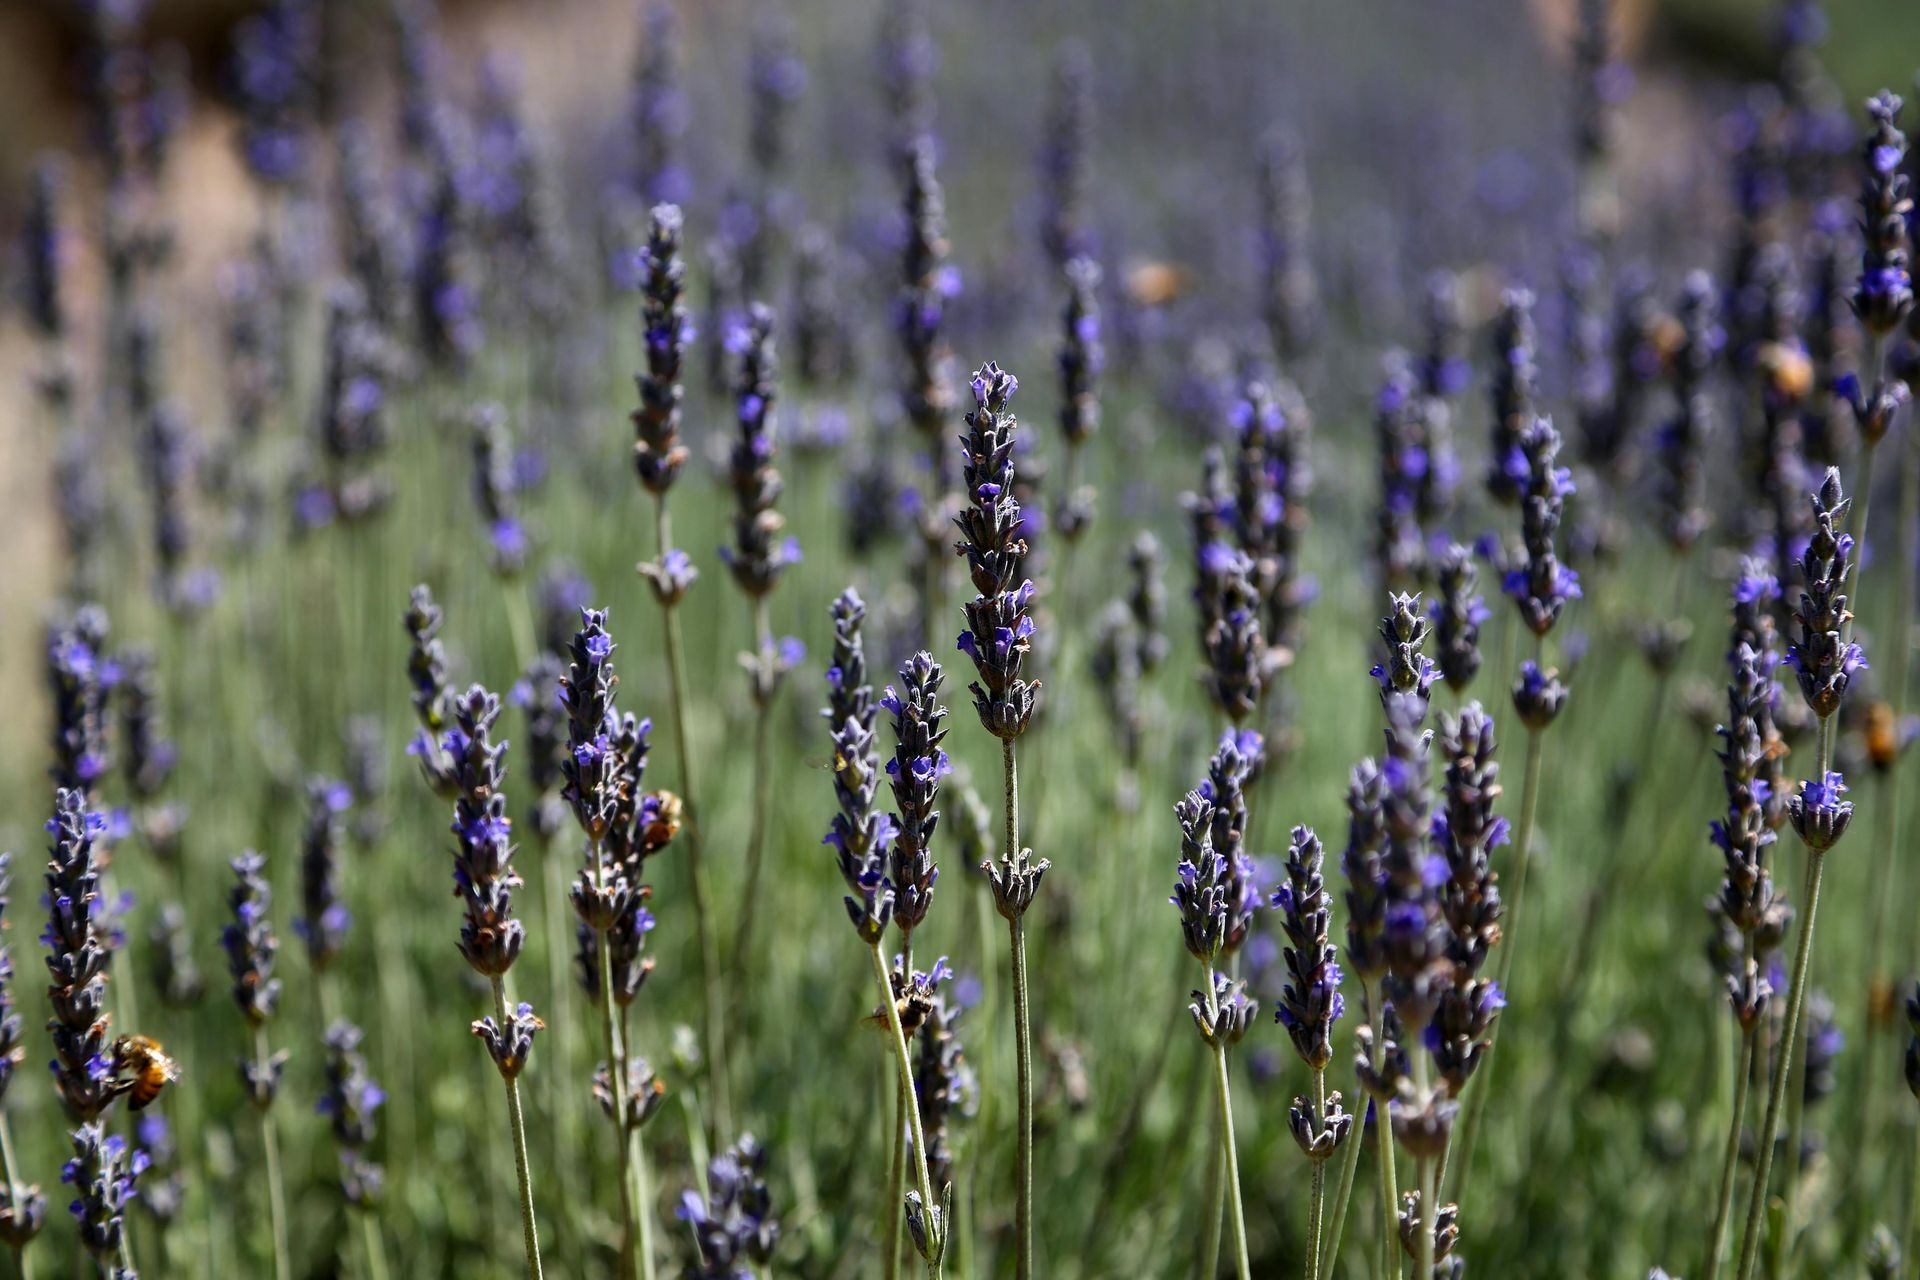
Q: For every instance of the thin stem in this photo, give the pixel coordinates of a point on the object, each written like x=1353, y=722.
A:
x=928, y=1204
x=1215, y=1194
x=762, y=792
x=376, y=1249
x=529, y=1229
x=1510, y=930
x=1389, y=1176
x=1776, y=1090
x=1228, y=1155
x=1023, y=1040
x=638, y=1238
x=1330, y=1253
x=1317, y=1205
x=276, y=1190
x=891, y=1215
x=1730, y=1160
x=8, y=1164
x=717, y=1064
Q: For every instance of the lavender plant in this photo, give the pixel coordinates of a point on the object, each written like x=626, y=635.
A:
x=998, y=638
x=490, y=937
x=24, y=1209
x=1824, y=662
x=658, y=457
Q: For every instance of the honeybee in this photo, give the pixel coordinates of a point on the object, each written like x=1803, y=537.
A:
x=150, y=1066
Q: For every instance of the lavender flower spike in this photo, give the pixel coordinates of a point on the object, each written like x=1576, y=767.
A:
x=758, y=555
x=1311, y=1002
x=1000, y=628
x=1823, y=659
x=1542, y=585
x=860, y=835
x=915, y=772
x=1884, y=293
x=1515, y=393
x=490, y=937
x=733, y=1224
x=658, y=453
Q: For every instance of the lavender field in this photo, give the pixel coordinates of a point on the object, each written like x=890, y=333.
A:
x=862, y=638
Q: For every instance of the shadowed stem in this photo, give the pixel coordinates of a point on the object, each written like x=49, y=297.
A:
x=529, y=1229
x=20, y=1262
x=1730, y=1160
x=717, y=1064
x=1349, y=1169
x=1229, y=1157
x=1317, y=1205
x=1389, y=1175
x=1523, y=854
x=376, y=1250
x=1782, y=1068
x=276, y=1189
x=1022, y=1034
x=638, y=1237
x=928, y=1204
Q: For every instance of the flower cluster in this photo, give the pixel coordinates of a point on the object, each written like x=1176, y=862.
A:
x=1465, y=833
x=1398, y=413
x=733, y=1224
x=659, y=110
x=915, y=772
x=324, y=918
x=1231, y=638
x=758, y=555
x=1884, y=293
x=352, y=426
x=78, y=959
x=1000, y=628
x=1515, y=394
x=251, y=949
x=1823, y=659
x=929, y=285
x=1311, y=1001
x=496, y=488
x=943, y=1083
x=483, y=877
x=1542, y=585
x=1082, y=358
x=1458, y=614
x=350, y=1101
x=658, y=453
x=102, y=1174
x=80, y=674
x=1233, y=765
x=1683, y=438
x=860, y=834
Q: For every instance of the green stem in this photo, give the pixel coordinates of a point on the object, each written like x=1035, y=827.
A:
x=1510, y=931
x=1389, y=1176
x=1730, y=1159
x=928, y=1204
x=638, y=1237
x=717, y=1063
x=1229, y=1156
x=529, y=1229
x=8, y=1164
x=376, y=1250
x=1317, y=1203
x=1022, y=1034
x=1349, y=1170
x=1776, y=1090
x=762, y=792
x=1214, y=1201
x=891, y=1216
x=276, y=1189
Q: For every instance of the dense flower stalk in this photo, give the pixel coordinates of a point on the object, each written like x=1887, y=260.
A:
x=1445, y=372
x=324, y=918
x=1542, y=585
x=658, y=454
x=1082, y=359
x=1232, y=643
x=860, y=835
x=759, y=555
x=352, y=429
x=351, y=1100
x=915, y=771
x=251, y=950
x=1515, y=392
x=1884, y=292
x=1458, y=614
x=1000, y=626
x=1399, y=546
x=659, y=110
x=79, y=675
x=1682, y=440
x=496, y=489
x=23, y=1208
